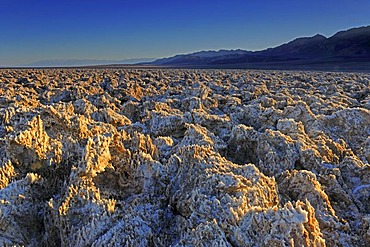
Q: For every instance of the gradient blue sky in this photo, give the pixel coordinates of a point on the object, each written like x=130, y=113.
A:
x=112, y=29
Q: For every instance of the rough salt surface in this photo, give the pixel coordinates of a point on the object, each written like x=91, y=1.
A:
x=112, y=157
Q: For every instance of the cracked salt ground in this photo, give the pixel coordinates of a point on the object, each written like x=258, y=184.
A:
x=111, y=157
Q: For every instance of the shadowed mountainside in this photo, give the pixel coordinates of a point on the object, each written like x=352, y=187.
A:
x=345, y=49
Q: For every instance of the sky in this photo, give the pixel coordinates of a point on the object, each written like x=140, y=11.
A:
x=34, y=30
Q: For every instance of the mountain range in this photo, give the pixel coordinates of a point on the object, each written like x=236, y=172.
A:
x=345, y=50
x=348, y=49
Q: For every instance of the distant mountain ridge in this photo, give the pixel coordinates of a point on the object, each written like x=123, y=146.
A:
x=344, y=47
x=84, y=62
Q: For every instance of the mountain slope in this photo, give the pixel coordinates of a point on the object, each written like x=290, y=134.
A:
x=203, y=57
x=352, y=45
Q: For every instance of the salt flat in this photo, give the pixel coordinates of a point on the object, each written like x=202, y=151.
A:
x=114, y=157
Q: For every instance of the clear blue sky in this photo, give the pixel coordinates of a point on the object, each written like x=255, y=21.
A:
x=32, y=30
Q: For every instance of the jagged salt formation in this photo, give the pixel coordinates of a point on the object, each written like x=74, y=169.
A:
x=184, y=158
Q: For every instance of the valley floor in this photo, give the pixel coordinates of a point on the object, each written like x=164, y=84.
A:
x=184, y=157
